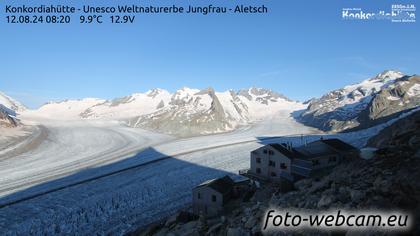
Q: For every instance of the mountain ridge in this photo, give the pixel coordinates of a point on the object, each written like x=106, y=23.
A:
x=189, y=111
x=364, y=104
x=185, y=112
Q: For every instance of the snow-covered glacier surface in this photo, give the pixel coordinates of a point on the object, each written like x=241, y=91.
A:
x=166, y=171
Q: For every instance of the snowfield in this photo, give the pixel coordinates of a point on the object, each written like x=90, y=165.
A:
x=64, y=185
x=71, y=146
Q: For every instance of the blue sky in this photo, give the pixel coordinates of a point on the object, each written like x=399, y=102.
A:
x=300, y=48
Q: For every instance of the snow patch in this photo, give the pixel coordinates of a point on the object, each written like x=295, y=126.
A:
x=414, y=90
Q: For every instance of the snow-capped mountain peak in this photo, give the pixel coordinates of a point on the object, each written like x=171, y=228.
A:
x=373, y=84
x=156, y=92
x=130, y=106
x=66, y=109
x=355, y=97
x=185, y=92
x=360, y=104
x=261, y=95
x=388, y=75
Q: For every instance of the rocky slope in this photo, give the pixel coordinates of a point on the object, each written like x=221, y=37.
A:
x=8, y=111
x=127, y=107
x=6, y=120
x=193, y=112
x=363, y=105
x=188, y=112
x=403, y=131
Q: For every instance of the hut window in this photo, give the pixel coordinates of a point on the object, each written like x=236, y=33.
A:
x=332, y=159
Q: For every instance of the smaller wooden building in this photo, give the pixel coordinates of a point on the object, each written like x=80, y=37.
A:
x=210, y=196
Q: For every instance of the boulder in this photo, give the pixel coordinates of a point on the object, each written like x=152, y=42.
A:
x=171, y=220
x=236, y=232
x=357, y=195
x=303, y=184
x=190, y=228
x=251, y=222
x=325, y=201
x=152, y=229
x=343, y=197
x=185, y=216
x=256, y=230
x=214, y=230
x=382, y=185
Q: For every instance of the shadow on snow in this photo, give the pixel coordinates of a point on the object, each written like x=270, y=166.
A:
x=134, y=191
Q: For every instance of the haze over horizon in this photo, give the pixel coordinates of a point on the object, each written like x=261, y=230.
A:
x=319, y=53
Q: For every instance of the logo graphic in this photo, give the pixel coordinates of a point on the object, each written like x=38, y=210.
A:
x=398, y=13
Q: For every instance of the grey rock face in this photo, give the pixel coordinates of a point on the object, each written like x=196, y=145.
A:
x=6, y=119
x=325, y=200
x=153, y=93
x=119, y=101
x=245, y=93
x=265, y=95
x=180, y=119
x=8, y=111
x=390, y=101
x=160, y=105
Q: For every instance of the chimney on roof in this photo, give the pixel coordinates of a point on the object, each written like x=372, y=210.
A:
x=289, y=146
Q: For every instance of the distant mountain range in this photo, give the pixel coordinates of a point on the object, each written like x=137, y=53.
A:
x=193, y=112
x=365, y=104
x=185, y=112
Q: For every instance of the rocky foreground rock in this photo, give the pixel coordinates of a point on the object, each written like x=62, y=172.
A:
x=7, y=120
